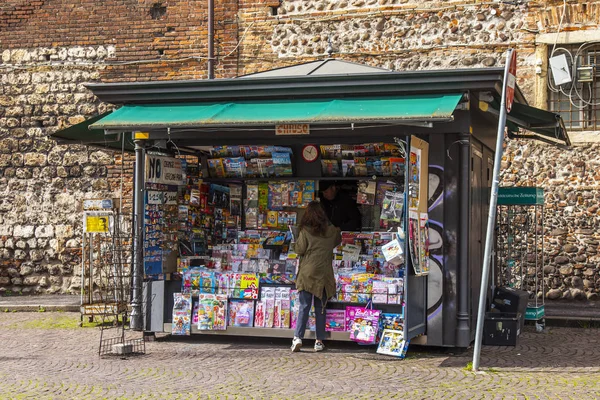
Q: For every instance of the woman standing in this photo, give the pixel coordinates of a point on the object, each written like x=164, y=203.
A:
x=315, y=280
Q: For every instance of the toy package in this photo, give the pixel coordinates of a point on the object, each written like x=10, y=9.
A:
x=259, y=314
x=391, y=321
x=294, y=308
x=335, y=320
x=182, y=313
x=284, y=313
x=241, y=313
x=365, y=325
x=392, y=343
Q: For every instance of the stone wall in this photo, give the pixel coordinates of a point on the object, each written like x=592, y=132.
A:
x=50, y=48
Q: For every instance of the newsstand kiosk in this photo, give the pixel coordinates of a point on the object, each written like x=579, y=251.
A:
x=225, y=168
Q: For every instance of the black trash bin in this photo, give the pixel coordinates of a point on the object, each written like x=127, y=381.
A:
x=509, y=300
x=501, y=329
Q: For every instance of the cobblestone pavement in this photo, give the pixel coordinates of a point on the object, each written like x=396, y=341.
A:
x=46, y=356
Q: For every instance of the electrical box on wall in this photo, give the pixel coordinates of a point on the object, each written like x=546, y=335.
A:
x=585, y=74
x=560, y=70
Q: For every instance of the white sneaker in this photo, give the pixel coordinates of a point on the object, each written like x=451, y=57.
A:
x=319, y=346
x=296, y=344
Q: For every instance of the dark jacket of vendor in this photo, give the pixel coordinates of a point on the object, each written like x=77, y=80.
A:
x=315, y=272
x=340, y=208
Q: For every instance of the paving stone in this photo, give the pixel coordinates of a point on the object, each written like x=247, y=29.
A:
x=42, y=361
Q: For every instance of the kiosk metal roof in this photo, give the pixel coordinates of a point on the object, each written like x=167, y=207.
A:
x=326, y=91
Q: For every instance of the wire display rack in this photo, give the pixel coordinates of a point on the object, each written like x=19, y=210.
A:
x=106, y=277
x=520, y=245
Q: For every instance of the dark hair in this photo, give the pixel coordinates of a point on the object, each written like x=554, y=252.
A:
x=315, y=219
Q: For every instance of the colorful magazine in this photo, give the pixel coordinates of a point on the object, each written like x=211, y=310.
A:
x=330, y=168
x=241, y=313
x=335, y=320
x=212, y=312
x=392, y=343
x=182, y=314
x=365, y=325
x=348, y=168
x=366, y=192
x=414, y=239
x=424, y=242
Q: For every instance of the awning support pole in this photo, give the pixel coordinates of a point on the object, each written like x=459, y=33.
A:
x=491, y=224
x=137, y=318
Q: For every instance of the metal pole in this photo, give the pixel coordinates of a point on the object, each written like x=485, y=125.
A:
x=491, y=219
x=463, y=327
x=211, y=39
x=137, y=320
x=83, y=256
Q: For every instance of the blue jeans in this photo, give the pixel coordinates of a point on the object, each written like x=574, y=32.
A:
x=305, y=299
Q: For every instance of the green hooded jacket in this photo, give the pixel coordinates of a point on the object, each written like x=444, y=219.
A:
x=315, y=272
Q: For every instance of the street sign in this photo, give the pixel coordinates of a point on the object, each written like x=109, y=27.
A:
x=511, y=81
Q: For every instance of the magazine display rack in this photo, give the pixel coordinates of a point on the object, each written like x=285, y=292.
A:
x=520, y=245
x=233, y=220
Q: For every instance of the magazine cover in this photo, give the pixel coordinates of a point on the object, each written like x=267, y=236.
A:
x=360, y=166
x=235, y=167
x=424, y=240
x=383, y=187
x=391, y=209
x=366, y=192
x=391, y=321
x=212, y=312
x=414, y=177
x=392, y=343
x=335, y=320
x=182, y=314
x=397, y=166
x=414, y=241
x=330, y=168
x=365, y=325
x=241, y=313
x=266, y=168
x=282, y=164
x=348, y=168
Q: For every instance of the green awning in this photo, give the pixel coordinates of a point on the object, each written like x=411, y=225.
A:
x=548, y=124
x=82, y=134
x=418, y=109
x=542, y=125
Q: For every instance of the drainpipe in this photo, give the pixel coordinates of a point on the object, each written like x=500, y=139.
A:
x=211, y=39
x=137, y=317
x=463, y=332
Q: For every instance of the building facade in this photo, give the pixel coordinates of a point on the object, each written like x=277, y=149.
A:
x=49, y=49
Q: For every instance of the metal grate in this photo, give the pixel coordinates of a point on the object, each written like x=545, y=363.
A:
x=578, y=102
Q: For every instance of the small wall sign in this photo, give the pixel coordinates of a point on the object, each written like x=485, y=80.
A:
x=292, y=129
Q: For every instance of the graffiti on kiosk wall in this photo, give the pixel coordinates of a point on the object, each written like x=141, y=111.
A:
x=435, y=202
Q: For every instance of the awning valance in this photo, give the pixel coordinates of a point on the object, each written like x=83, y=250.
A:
x=541, y=125
x=423, y=108
x=82, y=134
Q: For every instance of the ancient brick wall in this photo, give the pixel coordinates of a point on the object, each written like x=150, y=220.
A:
x=50, y=47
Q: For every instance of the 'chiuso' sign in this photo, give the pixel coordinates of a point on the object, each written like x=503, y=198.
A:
x=164, y=170
x=520, y=196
